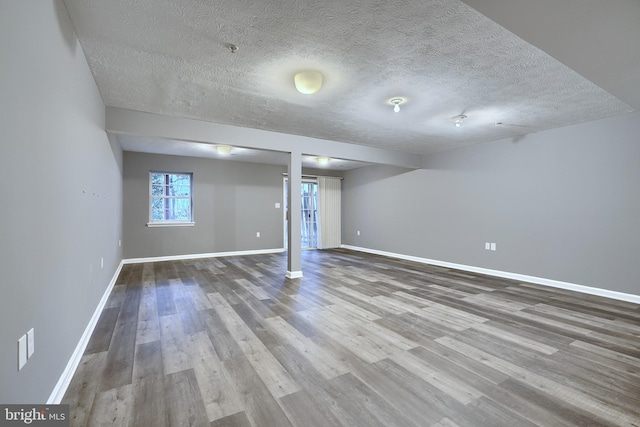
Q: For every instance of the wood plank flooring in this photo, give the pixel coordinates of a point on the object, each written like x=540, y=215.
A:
x=360, y=340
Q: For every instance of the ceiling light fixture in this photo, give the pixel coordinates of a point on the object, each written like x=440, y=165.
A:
x=396, y=104
x=457, y=120
x=308, y=82
x=322, y=160
x=223, y=149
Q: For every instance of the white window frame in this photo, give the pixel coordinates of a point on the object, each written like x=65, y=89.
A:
x=170, y=223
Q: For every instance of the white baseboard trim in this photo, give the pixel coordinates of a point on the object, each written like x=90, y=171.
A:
x=205, y=255
x=515, y=276
x=293, y=274
x=65, y=379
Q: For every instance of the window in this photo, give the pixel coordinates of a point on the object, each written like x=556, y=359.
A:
x=170, y=198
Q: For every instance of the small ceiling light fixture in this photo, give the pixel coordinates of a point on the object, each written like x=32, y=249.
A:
x=322, y=160
x=308, y=82
x=223, y=149
x=457, y=120
x=396, y=104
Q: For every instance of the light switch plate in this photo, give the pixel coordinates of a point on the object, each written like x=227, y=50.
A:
x=31, y=343
x=487, y=246
x=277, y=205
x=22, y=352
x=493, y=246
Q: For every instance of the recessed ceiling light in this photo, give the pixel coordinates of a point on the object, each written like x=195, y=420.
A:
x=457, y=120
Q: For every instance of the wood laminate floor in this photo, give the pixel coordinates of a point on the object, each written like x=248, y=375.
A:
x=361, y=340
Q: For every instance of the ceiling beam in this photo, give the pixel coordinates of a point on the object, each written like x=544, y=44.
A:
x=129, y=122
x=597, y=39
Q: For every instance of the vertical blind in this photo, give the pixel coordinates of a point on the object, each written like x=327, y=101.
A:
x=329, y=212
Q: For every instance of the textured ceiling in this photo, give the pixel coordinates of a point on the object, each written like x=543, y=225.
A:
x=171, y=58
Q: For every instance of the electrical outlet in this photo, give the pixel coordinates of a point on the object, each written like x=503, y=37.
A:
x=493, y=246
x=31, y=343
x=277, y=205
x=487, y=245
x=22, y=352
x=257, y=234
x=358, y=232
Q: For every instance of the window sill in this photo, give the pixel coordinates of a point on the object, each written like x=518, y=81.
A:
x=171, y=224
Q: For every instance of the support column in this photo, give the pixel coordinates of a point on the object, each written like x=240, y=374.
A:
x=294, y=255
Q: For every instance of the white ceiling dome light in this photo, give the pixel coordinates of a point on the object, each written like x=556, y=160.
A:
x=223, y=149
x=322, y=161
x=308, y=82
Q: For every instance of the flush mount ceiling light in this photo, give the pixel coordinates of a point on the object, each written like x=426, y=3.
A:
x=396, y=103
x=457, y=120
x=322, y=160
x=223, y=149
x=308, y=82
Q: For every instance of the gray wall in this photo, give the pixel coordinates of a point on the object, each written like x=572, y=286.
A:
x=562, y=204
x=232, y=201
x=61, y=193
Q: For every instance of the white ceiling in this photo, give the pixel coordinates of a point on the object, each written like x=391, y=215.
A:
x=171, y=57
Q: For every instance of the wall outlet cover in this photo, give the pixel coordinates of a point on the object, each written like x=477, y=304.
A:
x=487, y=246
x=493, y=246
x=22, y=352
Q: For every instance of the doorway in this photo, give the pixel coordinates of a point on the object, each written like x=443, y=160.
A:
x=308, y=213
